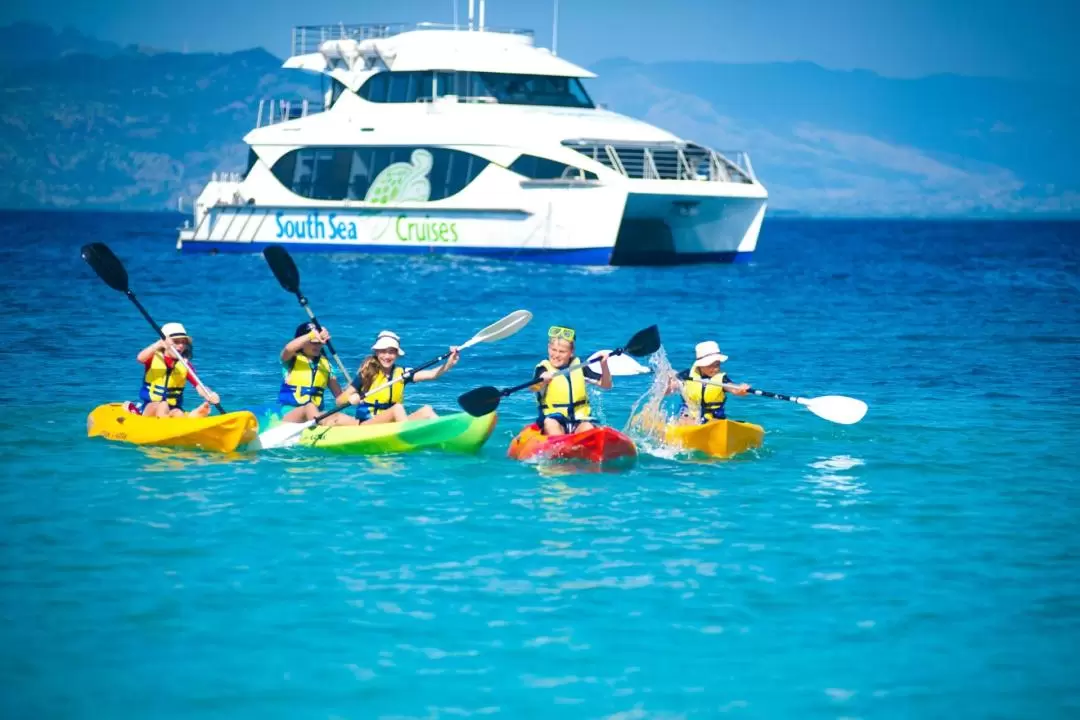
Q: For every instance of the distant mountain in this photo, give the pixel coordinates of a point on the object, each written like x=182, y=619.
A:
x=86, y=123
x=832, y=142
x=130, y=129
x=29, y=43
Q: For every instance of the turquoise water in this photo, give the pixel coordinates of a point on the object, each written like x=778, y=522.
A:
x=924, y=563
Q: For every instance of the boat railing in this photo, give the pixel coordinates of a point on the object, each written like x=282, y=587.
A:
x=669, y=161
x=277, y=110
x=309, y=38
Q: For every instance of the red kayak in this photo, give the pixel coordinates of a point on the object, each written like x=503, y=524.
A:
x=601, y=445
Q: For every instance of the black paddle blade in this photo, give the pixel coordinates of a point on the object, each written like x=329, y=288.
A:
x=281, y=263
x=106, y=265
x=644, y=342
x=480, y=401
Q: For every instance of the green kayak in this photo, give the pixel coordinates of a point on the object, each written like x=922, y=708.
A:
x=460, y=433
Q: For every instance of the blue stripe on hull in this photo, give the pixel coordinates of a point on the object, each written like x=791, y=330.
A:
x=577, y=256
x=582, y=256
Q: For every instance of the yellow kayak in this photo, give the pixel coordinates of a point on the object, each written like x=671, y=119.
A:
x=223, y=433
x=718, y=438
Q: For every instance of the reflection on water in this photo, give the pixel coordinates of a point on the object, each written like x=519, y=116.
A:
x=164, y=459
x=558, y=492
x=836, y=480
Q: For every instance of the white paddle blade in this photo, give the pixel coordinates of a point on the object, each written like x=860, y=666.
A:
x=618, y=365
x=503, y=328
x=837, y=408
x=279, y=436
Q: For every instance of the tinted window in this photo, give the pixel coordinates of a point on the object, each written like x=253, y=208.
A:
x=357, y=173
x=538, y=168
x=252, y=159
x=336, y=89
x=507, y=88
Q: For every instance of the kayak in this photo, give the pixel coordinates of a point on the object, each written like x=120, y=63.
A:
x=223, y=433
x=716, y=438
x=601, y=445
x=460, y=433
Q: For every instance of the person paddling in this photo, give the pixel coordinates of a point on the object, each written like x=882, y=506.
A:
x=563, y=401
x=387, y=405
x=165, y=377
x=704, y=386
x=307, y=374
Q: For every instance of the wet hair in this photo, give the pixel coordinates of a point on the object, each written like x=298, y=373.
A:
x=368, y=370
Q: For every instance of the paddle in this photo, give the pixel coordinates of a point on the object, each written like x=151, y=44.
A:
x=284, y=269
x=483, y=400
x=109, y=268
x=286, y=433
x=834, y=408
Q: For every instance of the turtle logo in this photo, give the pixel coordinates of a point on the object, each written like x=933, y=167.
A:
x=401, y=182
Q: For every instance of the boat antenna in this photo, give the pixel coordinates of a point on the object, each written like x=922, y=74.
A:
x=481, y=15
x=453, y=7
x=555, y=30
x=471, y=4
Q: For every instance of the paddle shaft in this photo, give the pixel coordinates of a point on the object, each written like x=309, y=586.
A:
x=403, y=378
x=508, y=391
x=755, y=391
x=329, y=345
x=169, y=345
x=778, y=396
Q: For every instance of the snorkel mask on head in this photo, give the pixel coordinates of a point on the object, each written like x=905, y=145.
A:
x=557, y=332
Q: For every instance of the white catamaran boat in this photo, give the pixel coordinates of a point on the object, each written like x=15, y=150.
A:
x=472, y=141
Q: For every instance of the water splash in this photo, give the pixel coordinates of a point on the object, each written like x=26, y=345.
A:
x=648, y=415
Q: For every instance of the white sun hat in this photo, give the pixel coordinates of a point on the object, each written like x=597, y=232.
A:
x=707, y=353
x=387, y=339
x=174, y=330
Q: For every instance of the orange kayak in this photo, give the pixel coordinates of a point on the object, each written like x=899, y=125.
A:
x=601, y=445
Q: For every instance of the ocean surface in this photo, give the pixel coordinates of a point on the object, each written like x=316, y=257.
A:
x=923, y=563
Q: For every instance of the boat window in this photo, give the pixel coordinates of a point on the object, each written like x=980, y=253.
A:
x=538, y=168
x=336, y=89
x=252, y=159
x=505, y=88
x=384, y=175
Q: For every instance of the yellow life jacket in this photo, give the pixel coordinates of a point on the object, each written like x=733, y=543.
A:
x=387, y=397
x=305, y=380
x=566, y=395
x=160, y=382
x=706, y=400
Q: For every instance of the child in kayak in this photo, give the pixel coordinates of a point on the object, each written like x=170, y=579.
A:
x=307, y=375
x=165, y=377
x=704, y=386
x=563, y=401
x=381, y=367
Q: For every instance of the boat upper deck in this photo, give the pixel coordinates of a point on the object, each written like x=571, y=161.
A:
x=404, y=47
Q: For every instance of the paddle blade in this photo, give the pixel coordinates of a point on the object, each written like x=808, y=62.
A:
x=108, y=267
x=837, y=408
x=284, y=435
x=480, y=401
x=618, y=365
x=283, y=267
x=503, y=328
x=644, y=342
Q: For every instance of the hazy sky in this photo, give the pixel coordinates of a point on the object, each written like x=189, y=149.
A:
x=1032, y=40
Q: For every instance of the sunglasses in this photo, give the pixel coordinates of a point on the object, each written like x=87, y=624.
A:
x=563, y=333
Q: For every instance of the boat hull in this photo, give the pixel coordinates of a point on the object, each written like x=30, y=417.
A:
x=716, y=438
x=220, y=433
x=596, y=229
x=601, y=446
x=456, y=433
